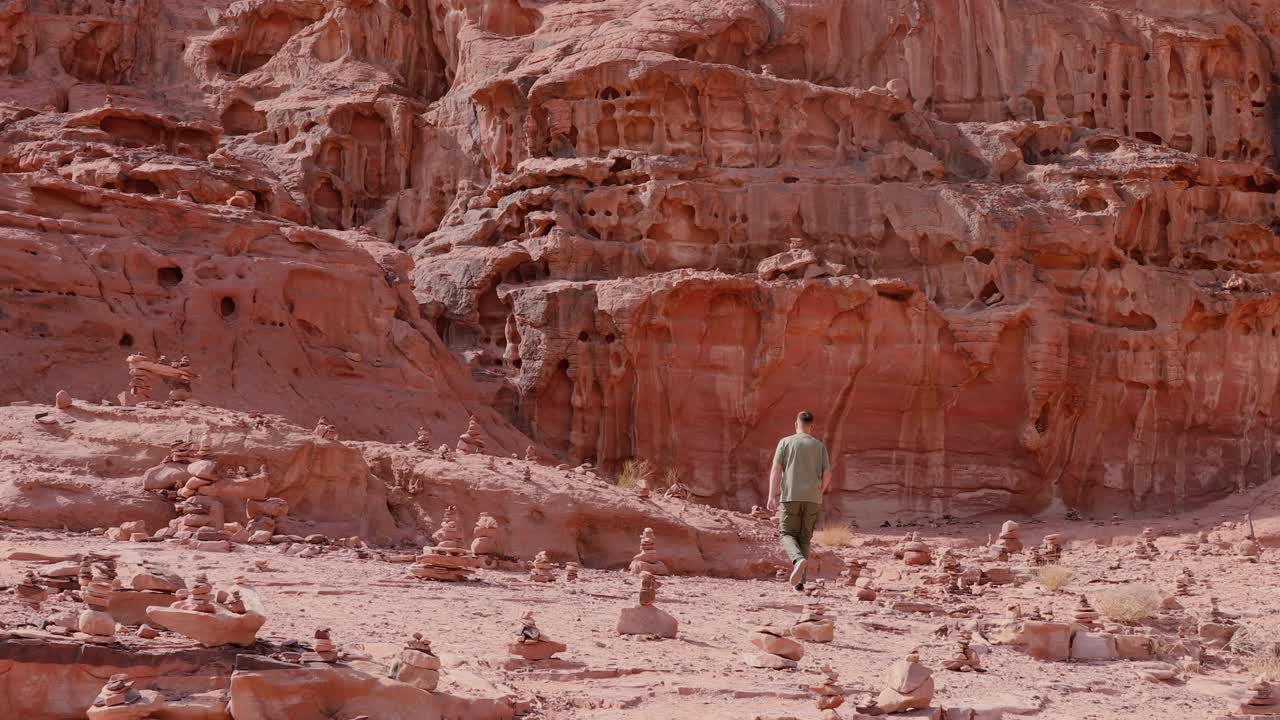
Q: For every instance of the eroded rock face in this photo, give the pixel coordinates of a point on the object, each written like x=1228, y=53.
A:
x=1042, y=237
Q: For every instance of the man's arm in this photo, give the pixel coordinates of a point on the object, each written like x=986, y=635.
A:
x=826, y=482
x=775, y=486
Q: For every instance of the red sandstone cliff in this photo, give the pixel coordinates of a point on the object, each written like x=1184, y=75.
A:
x=1043, y=234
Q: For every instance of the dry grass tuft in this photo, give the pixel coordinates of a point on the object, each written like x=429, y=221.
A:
x=1055, y=577
x=1260, y=653
x=834, y=536
x=671, y=478
x=636, y=474
x=1128, y=603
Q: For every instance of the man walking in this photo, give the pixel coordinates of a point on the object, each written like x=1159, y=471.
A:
x=801, y=474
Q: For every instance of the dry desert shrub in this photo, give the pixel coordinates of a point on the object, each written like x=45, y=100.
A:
x=635, y=474
x=1128, y=603
x=1258, y=649
x=671, y=478
x=1054, y=577
x=834, y=536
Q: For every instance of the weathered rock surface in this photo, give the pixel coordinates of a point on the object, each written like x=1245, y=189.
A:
x=1038, y=252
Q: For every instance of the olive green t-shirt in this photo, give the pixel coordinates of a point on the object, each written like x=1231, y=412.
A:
x=803, y=459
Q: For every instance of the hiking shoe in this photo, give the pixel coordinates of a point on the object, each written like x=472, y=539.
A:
x=797, y=573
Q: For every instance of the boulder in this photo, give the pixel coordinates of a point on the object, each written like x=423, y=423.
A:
x=646, y=620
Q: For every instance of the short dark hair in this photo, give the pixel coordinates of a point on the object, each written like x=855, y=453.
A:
x=805, y=417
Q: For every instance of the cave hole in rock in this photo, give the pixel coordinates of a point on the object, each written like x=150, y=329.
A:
x=517, y=363
x=583, y=337
x=610, y=338
x=989, y=291
x=1103, y=145
x=1092, y=203
x=609, y=94
x=126, y=340
x=169, y=276
x=564, y=365
x=140, y=186
x=1150, y=137
x=984, y=256
x=1042, y=422
x=241, y=119
x=227, y=307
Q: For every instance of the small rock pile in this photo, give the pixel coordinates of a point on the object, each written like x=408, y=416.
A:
x=445, y=561
x=915, y=552
x=909, y=686
x=471, y=441
x=647, y=560
x=531, y=644
x=542, y=570
x=644, y=618
x=417, y=665
x=777, y=651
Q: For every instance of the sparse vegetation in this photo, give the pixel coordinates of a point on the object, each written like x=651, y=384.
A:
x=1260, y=652
x=635, y=474
x=1055, y=577
x=1128, y=603
x=834, y=536
x=671, y=478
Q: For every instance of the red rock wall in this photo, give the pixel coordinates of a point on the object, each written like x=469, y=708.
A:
x=1054, y=226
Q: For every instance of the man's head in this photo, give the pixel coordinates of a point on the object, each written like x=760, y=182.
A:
x=804, y=421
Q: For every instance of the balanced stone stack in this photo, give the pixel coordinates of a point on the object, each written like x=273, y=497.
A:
x=417, y=665
x=777, y=651
x=1084, y=614
x=909, y=686
x=119, y=701
x=140, y=381
x=1140, y=549
x=644, y=618
x=446, y=560
x=531, y=644
x=759, y=513
x=1262, y=700
x=915, y=552
x=325, y=429
x=571, y=569
x=814, y=624
x=852, y=571
x=647, y=560
x=965, y=659
x=1009, y=542
x=322, y=648
x=471, y=441
x=265, y=518
x=30, y=593
x=486, y=539
x=1148, y=537
x=1051, y=547
x=423, y=441
x=95, y=623
x=830, y=694
x=542, y=570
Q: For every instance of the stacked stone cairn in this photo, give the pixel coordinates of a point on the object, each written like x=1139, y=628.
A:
x=909, y=686
x=915, y=552
x=325, y=429
x=417, y=665
x=830, y=695
x=814, y=624
x=322, y=648
x=119, y=701
x=965, y=659
x=96, y=624
x=486, y=540
x=777, y=651
x=542, y=569
x=1261, y=701
x=1084, y=614
x=471, y=441
x=446, y=560
x=571, y=570
x=647, y=560
x=644, y=618
x=1051, y=547
x=423, y=441
x=1009, y=542
x=531, y=644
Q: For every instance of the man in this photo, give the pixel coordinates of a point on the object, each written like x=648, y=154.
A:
x=800, y=476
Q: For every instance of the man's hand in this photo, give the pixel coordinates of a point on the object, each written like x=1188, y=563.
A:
x=775, y=487
x=826, y=482
x=772, y=504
